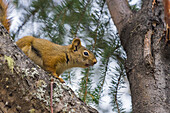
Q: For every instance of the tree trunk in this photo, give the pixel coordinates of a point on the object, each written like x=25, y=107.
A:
x=148, y=55
x=25, y=88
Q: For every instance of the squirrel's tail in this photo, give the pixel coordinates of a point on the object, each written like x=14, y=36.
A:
x=3, y=14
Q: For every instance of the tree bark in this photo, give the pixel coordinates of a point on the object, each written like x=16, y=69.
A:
x=25, y=88
x=120, y=12
x=148, y=56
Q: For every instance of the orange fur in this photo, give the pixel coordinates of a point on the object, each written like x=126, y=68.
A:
x=3, y=14
x=56, y=58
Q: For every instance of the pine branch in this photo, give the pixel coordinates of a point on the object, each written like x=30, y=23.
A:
x=82, y=15
x=116, y=100
x=104, y=78
x=85, y=94
x=95, y=38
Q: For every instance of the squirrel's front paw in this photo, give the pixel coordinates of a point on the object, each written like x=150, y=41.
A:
x=61, y=80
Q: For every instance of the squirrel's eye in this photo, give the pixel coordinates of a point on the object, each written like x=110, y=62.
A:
x=86, y=53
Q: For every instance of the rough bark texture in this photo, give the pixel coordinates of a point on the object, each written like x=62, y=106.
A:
x=25, y=88
x=148, y=57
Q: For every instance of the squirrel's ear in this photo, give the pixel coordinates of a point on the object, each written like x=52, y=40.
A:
x=76, y=44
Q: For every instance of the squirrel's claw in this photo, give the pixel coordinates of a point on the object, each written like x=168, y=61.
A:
x=60, y=79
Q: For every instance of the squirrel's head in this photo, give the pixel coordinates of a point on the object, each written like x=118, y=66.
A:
x=82, y=56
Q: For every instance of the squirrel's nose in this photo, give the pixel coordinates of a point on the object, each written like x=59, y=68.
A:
x=94, y=61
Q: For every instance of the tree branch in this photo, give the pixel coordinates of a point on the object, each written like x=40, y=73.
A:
x=26, y=88
x=120, y=12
